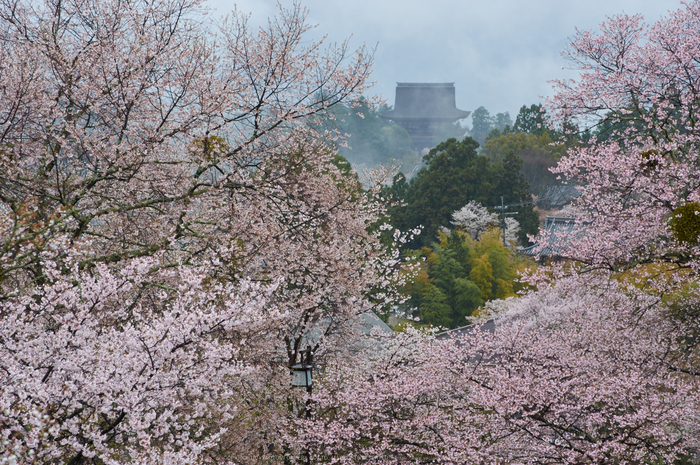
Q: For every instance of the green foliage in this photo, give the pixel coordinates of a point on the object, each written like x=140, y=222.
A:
x=482, y=274
x=502, y=122
x=685, y=223
x=613, y=125
x=434, y=307
x=209, y=148
x=454, y=175
x=536, y=151
x=532, y=120
x=497, y=148
x=343, y=165
x=511, y=184
x=458, y=275
x=483, y=124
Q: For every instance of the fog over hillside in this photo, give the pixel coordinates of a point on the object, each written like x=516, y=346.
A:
x=499, y=54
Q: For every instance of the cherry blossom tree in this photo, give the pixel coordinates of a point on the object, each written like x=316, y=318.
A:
x=598, y=363
x=475, y=219
x=572, y=374
x=119, y=371
x=175, y=229
x=126, y=115
x=640, y=185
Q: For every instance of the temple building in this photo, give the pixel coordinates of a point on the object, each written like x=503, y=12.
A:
x=421, y=108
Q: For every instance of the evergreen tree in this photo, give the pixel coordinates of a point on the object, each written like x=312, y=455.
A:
x=482, y=124
x=502, y=122
x=515, y=190
x=455, y=174
x=532, y=120
x=458, y=275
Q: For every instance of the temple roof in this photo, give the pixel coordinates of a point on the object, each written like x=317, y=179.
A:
x=434, y=101
x=558, y=232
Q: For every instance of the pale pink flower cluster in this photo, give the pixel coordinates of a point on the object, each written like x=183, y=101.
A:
x=102, y=371
x=173, y=229
x=644, y=79
x=598, y=362
x=174, y=233
x=578, y=372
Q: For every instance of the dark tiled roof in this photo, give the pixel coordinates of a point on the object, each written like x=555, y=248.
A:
x=558, y=231
x=488, y=325
x=434, y=101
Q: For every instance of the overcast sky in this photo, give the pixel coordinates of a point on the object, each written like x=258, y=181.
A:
x=499, y=53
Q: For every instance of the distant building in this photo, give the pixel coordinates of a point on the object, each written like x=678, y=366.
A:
x=488, y=326
x=558, y=232
x=422, y=108
x=463, y=333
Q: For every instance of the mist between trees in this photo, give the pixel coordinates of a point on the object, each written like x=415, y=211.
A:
x=177, y=228
x=372, y=140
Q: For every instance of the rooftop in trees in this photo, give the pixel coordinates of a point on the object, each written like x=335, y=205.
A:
x=434, y=101
x=558, y=232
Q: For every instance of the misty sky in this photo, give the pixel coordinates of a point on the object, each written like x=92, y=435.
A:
x=499, y=53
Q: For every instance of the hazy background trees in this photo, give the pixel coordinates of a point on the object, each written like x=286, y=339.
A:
x=483, y=124
x=369, y=139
